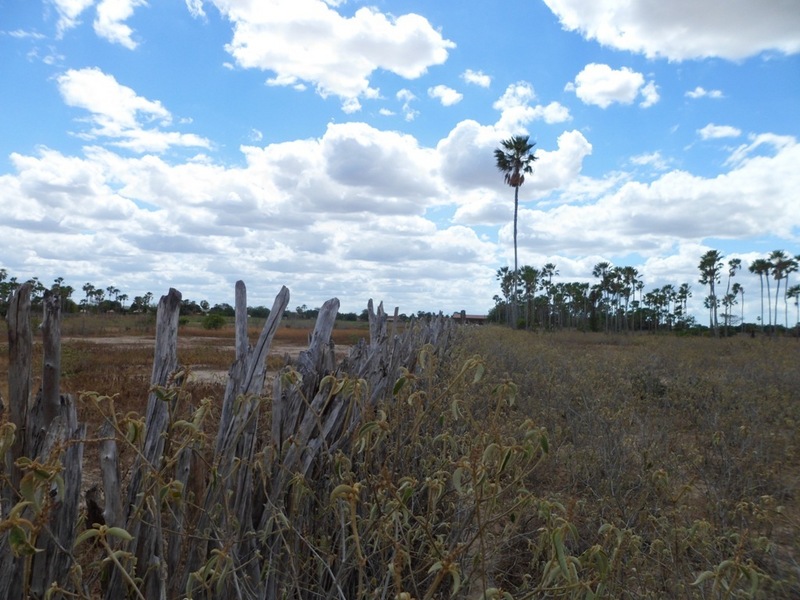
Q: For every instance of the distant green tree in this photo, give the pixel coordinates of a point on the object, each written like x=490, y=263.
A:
x=257, y=312
x=213, y=321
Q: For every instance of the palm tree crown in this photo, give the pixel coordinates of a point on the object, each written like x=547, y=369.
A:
x=515, y=159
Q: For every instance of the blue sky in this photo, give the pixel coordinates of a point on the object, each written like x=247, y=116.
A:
x=345, y=148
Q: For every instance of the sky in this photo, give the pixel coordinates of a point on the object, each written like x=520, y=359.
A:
x=345, y=148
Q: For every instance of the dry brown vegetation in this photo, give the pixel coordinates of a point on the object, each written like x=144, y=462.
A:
x=525, y=466
x=685, y=448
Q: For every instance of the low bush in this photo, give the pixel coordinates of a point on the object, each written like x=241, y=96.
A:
x=213, y=321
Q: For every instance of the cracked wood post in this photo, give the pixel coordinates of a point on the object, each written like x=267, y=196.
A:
x=20, y=345
x=235, y=441
x=51, y=367
x=143, y=525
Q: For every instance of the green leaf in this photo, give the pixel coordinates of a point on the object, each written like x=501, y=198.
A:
x=454, y=408
x=27, y=488
x=457, y=475
x=479, y=371
x=491, y=453
x=437, y=566
x=558, y=544
x=86, y=535
x=19, y=542
x=506, y=458
x=704, y=576
x=456, y=581
x=398, y=385
x=119, y=532
x=7, y=437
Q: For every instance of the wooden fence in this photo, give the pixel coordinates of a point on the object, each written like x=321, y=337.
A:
x=189, y=521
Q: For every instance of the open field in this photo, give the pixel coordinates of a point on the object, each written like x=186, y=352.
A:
x=624, y=466
x=113, y=354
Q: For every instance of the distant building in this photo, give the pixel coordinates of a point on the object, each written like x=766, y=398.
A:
x=465, y=319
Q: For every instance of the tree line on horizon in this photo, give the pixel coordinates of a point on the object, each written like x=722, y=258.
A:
x=618, y=301
x=103, y=300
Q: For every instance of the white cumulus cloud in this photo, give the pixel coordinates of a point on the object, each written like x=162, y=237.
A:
x=446, y=95
x=686, y=29
x=602, y=86
x=516, y=110
x=711, y=132
x=110, y=21
x=309, y=41
x=117, y=112
x=68, y=12
x=478, y=78
x=700, y=92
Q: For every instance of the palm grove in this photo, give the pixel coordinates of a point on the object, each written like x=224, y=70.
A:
x=617, y=301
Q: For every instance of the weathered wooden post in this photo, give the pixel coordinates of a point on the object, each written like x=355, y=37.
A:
x=47, y=432
x=236, y=441
x=20, y=348
x=51, y=370
x=144, y=512
x=20, y=344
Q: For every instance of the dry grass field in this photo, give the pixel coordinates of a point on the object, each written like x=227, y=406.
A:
x=113, y=354
x=570, y=466
x=687, y=448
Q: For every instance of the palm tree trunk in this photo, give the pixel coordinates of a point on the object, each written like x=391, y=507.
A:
x=515, y=307
x=777, y=290
x=769, y=305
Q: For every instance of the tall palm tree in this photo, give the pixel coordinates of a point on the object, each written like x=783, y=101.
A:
x=710, y=266
x=629, y=277
x=514, y=160
x=684, y=293
x=548, y=271
x=738, y=290
x=780, y=262
x=760, y=267
x=791, y=265
x=506, y=280
x=601, y=270
x=530, y=283
x=794, y=292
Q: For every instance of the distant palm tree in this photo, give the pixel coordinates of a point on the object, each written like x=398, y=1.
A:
x=760, y=267
x=601, y=270
x=506, y=280
x=738, y=290
x=794, y=292
x=780, y=262
x=514, y=159
x=530, y=283
x=684, y=293
x=548, y=271
x=710, y=266
x=791, y=265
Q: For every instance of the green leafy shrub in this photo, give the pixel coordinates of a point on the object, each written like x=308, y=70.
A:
x=213, y=321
